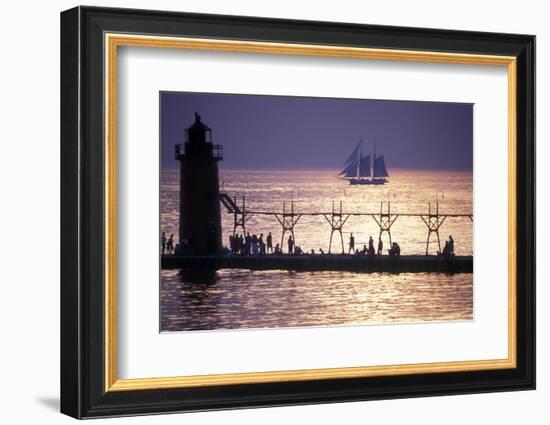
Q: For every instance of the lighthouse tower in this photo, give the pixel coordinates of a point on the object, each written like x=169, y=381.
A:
x=200, y=221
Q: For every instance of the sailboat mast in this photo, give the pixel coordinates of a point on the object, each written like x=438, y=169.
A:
x=373, y=159
x=360, y=158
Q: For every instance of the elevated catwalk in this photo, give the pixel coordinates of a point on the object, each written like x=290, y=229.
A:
x=364, y=264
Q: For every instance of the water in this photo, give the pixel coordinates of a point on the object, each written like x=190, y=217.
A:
x=231, y=299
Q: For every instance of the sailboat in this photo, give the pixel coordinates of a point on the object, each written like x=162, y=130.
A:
x=357, y=168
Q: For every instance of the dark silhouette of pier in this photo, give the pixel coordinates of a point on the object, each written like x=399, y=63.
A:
x=288, y=217
x=337, y=217
x=327, y=262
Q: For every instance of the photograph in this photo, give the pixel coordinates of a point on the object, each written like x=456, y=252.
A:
x=292, y=212
x=263, y=210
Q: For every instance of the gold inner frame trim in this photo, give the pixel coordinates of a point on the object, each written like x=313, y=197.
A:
x=113, y=41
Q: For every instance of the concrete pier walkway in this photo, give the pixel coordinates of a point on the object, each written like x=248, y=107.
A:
x=365, y=264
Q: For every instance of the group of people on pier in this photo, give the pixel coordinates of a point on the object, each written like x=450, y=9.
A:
x=251, y=245
x=240, y=244
x=449, y=248
x=167, y=244
x=395, y=249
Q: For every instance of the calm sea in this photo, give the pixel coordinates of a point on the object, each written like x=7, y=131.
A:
x=232, y=299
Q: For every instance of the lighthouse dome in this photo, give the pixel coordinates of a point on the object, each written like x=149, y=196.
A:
x=198, y=142
x=199, y=132
x=198, y=125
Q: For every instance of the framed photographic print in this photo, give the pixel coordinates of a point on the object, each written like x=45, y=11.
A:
x=261, y=212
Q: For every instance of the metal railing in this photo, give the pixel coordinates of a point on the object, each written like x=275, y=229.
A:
x=202, y=150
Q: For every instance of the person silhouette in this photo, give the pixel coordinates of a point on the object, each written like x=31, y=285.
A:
x=451, y=245
x=446, y=250
x=269, y=241
x=163, y=242
x=397, y=249
x=170, y=244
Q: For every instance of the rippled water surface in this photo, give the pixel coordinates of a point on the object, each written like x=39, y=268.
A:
x=231, y=299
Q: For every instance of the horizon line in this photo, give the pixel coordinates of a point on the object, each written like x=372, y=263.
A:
x=464, y=170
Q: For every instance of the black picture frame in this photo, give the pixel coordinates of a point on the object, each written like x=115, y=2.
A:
x=83, y=392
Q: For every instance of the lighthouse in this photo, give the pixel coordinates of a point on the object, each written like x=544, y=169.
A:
x=200, y=221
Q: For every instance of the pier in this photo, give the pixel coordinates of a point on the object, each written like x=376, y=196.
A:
x=288, y=217
x=317, y=262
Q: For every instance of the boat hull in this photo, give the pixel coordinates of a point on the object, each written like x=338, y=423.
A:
x=367, y=181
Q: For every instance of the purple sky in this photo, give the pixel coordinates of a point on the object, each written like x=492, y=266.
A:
x=280, y=132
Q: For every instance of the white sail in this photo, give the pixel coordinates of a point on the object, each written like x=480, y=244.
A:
x=364, y=166
x=380, y=167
